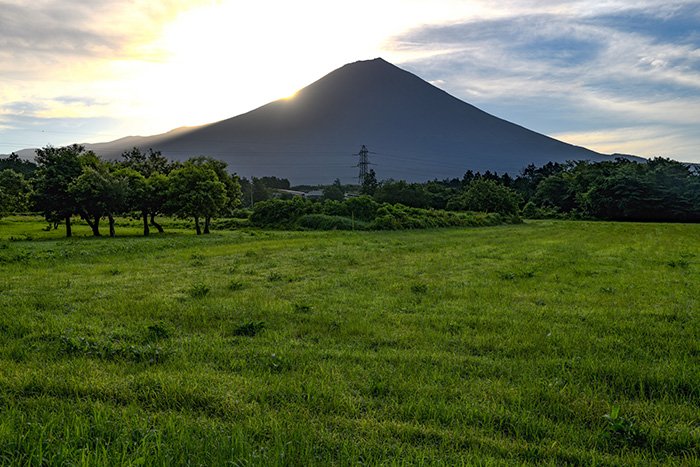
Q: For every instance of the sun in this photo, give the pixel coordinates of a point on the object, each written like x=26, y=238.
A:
x=218, y=59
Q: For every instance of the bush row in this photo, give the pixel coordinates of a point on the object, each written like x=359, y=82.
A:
x=363, y=213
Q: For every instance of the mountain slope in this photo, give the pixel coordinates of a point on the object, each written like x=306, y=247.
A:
x=415, y=130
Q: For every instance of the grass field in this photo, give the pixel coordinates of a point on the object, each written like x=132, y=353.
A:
x=546, y=342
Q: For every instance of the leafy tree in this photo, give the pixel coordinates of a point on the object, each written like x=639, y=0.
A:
x=363, y=208
x=154, y=167
x=254, y=191
x=506, y=180
x=57, y=169
x=135, y=194
x=147, y=163
x=369, y=184
x=440, y=192
x=557, y=191
x=196, y=191
x=486, y=196
x=98, y=193
x=157, y=197
x=334, y=191
x=275, y=183
x=413, y=195
x=660, y=190
x=260, y=191
x=19, y=165
x=531, y=176
x=230, y=181
x=16, y=191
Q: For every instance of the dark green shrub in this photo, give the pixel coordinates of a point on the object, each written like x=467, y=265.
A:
x=367, y=214
x=363, y=208
x=326, y=222
x=279, y=212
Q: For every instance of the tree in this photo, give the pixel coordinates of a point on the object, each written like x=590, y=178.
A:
x=157, y=197
x=16, y=191
x=154, y=167
x=274, y=182
x=486, y=196
x=230, y=181
x=369, y=184
x=147, y=163
x=557, y=191
x=135, y=194
x=439, y=193
x=4, y=203
x=531, y=176
x=260, y=191
x=334, y=191
x=97, y=193
x=56, y=169
x=413, y=195
x=19, y=165
x=195, y=191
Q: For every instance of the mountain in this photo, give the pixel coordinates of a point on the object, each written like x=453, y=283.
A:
x=414, y=131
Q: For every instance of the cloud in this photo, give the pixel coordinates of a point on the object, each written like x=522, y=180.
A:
x=53, y=35
x=21, y=108
x=658, y=141
x=551, y=67
x=79, y=100
x=38, y=37
x=24, y=130
x=677, y=23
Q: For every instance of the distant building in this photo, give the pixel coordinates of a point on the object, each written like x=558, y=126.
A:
x=281, y=193
x=314, y=194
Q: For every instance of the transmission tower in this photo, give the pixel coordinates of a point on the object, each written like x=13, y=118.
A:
x=363, y=164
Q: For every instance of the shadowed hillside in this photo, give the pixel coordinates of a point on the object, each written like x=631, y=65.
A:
x=416, y=130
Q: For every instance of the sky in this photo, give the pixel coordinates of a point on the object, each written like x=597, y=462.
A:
x=614, y=76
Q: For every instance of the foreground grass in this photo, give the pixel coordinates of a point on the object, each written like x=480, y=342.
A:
x=549, y=342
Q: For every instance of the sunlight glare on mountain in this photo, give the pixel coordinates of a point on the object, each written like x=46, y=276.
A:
x=234, y=56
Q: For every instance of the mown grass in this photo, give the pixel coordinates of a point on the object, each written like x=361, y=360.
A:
x=546, y=343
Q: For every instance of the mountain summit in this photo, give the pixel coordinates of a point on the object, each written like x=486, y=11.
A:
x=414, y=131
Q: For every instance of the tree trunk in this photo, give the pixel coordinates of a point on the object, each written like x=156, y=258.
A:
x=69, y=229
x=94, y=225
x=207, y=219
x=196, y=225
x=155, y=224
x=146, y=230
x=111, y=225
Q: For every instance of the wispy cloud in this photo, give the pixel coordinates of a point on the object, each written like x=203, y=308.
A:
x=54, y=34
x=582, y=65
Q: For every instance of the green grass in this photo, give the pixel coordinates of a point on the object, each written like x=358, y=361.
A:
x=544, y=343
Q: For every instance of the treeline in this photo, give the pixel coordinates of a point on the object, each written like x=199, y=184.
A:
x=70, y=181
x=657, y=190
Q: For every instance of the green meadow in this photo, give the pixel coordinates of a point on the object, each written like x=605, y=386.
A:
x=548, y=342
